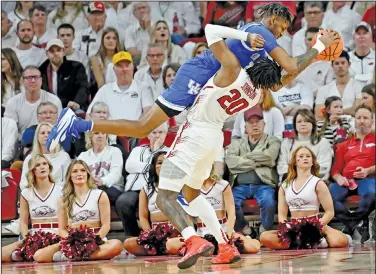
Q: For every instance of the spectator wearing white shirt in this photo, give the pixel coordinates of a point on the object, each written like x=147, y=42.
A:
x=23, y=107
x=127, y=98
x=9, y=137
x=11, y=72
x=137, y=36
x=117, y=18
x=344, y=86
x=314, y=14
x=89, y=40
x=291, y=98
x=42, y=35
x=21, y=12
x=362, y=58
x=110, y=45
x=65, y=33
x=105, y=163
x=343, y=19
x=173, y=53
x=8, y=35
x=319, y=73
x=27, y=54
x=273, y=118
x=152, y=74
x=187, y=18
x=73, y=13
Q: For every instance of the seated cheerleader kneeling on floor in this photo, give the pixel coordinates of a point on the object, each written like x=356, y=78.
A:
x=171, y=242
x=39, y=201
x=302, y=193
x=82, y=204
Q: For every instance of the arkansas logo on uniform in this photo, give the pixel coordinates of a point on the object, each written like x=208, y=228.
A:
x=83, y=215
x=298, y=203
x=43, y=210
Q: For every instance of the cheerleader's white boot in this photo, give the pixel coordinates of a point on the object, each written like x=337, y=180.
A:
x=323, y=243
x=59, y=257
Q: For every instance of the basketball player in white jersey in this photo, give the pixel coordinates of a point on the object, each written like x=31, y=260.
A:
x=188, y=163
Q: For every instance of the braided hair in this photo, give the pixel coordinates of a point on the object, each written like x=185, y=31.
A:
x=265, y=74
x=276, y=9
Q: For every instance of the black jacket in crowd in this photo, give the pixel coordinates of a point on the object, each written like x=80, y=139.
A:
x=72, y=83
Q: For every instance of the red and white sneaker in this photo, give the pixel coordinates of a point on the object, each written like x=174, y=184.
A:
x=196, y=247
x=227, y=254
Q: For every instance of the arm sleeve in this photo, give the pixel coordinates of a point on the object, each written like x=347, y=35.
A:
x=116, y=168
x=133, y=163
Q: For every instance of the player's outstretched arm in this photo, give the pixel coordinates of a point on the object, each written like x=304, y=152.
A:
x=295, y=65
x=230, y=64
x=139, y=128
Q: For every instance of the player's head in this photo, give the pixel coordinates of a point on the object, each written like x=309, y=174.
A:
x=277, y=18
x=265, y=74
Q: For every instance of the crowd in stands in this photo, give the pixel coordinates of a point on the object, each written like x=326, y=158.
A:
x=60, y=54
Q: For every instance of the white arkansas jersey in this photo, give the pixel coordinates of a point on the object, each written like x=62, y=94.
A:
x=214, y=104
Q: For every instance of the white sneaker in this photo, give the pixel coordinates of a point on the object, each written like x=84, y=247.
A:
x=14, y=227
x=323, y=243
x=59, y=257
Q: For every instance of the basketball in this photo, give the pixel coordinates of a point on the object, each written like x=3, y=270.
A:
x=331, y=53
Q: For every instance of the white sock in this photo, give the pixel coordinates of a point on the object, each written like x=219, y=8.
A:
x=207, y=214
x=349, y=243
x=188, y=232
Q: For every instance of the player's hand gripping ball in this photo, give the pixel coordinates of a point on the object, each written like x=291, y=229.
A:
x=332, y=52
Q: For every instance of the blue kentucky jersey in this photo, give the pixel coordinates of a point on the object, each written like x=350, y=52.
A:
x=194, y=73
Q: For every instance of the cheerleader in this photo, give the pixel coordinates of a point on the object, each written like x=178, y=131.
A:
x=153, y=237
x=83, y=205
x=218, y=192
x=302, y=193
x=39, y=202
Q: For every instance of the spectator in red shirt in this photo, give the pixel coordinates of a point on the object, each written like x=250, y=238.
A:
x=370, y=18
x=355, y=160
x=228, y=13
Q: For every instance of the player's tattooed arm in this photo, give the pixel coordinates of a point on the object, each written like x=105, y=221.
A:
x=302, y=62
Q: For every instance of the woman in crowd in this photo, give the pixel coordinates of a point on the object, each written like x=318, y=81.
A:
x=110, y=45
x=199, y=49
x=82, y=204
x=21, y=12
x=173, y=53
x=273, y=118
x=11, y=72
x=336, y=127
x=72, y=13
x=302, y=193
x=218, y=192
x=105, y=163
x=148, y=210
x=305, y=130
x=39, y=202
x=368, y=99
x=59, y=159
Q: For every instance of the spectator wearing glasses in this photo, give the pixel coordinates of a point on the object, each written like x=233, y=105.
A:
x=64, y=78
x=152, y=74
x=23, y=107
x=42, y=35
x=27, y=54
x=314, y=14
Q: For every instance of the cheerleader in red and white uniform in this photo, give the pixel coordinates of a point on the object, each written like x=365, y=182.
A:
x=39, y=202
x=147, y=243
x=302, y=193
x=218, y=192
x=83, y=205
